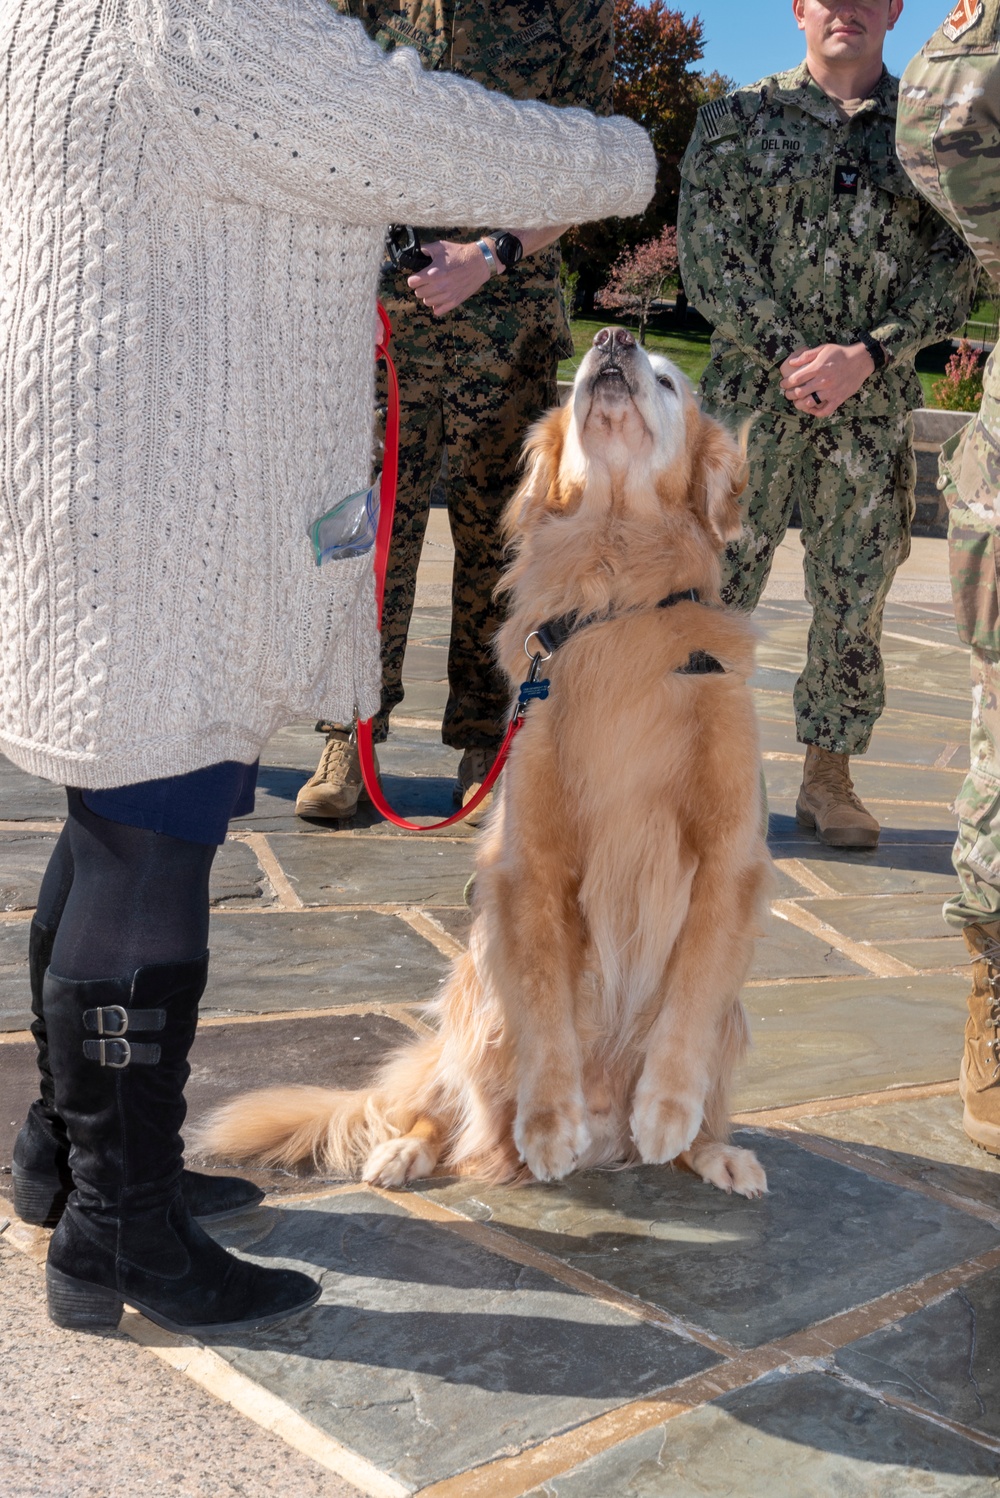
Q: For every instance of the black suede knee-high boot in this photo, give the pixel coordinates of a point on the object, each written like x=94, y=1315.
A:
x=119, y=1051
x=40, y=1169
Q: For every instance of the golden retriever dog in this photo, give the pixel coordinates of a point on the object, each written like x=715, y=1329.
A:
x=622, y=876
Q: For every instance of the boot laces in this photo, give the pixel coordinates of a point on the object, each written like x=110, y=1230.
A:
x=990, y=954
x=337, y=752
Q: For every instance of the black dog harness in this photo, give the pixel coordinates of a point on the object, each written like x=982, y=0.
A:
x=555, y=632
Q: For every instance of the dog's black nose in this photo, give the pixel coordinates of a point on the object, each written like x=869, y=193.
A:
x=609, y=339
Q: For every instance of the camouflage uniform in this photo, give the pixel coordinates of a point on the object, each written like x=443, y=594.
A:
x=948, y=137
x=472, y=381
x=798, y=229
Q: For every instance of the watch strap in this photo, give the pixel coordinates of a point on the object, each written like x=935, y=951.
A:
x=875, y=349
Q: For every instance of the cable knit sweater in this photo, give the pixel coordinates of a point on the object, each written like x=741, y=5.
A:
x=192, y=202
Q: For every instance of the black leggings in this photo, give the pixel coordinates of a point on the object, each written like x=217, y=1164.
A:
x=120, y=897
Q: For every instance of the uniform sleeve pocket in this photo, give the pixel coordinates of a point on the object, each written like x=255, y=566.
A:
x=972, y=562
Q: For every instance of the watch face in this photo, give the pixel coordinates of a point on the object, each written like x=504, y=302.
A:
x=509, y=249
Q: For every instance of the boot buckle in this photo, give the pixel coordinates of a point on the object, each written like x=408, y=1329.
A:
x=122, y=1049
x=98, y=1019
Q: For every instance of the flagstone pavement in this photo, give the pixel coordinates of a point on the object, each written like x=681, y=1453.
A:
x=619, y=1334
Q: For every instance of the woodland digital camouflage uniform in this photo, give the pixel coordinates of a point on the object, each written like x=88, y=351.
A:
x=948, y=141
x=797, y=229
x=474, y=380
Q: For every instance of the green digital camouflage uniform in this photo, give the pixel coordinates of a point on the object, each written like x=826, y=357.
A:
x=949, y=142
x=798, y=229
x=473, y=381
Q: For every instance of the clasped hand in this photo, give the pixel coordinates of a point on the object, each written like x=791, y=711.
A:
x=455, y=272
x=818, y=381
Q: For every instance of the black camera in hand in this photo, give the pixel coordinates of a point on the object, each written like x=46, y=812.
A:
x=402, y=243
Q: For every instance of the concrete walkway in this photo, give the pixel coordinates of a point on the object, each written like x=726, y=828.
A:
x=621, y=1334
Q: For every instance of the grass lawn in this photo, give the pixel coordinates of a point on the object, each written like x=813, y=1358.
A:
x=690, y=351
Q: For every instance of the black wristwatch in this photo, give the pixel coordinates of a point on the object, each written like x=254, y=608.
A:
x=508, y=247
x=875, y=349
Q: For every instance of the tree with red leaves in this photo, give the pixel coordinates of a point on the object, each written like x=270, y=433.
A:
x=638, y=277
x=655, y=52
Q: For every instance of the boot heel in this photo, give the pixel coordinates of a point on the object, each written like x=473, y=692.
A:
x=38, y=1200
x=77, y=1306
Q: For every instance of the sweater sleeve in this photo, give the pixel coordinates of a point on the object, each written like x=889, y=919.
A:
x=287, y=103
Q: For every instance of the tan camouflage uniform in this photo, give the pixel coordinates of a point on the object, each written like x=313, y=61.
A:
x=472, y=381
x=797, y=228
x=948, y=137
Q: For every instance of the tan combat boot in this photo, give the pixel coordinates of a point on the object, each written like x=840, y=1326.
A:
x=473, y=768
x=979, y=1082
x=828, y=804
x=335, y=789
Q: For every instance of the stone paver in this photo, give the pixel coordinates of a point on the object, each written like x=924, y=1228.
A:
x=621, y=1333
x=429, y=1354
x=789, y=1436
x=748, y=1272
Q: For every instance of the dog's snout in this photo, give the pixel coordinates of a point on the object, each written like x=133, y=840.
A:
x=603, y=338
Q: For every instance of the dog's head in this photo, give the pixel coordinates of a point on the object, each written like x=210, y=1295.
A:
x=632, y=441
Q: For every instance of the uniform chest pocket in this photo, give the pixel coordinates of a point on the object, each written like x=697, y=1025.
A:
x=895, y=208
x=518, y=51
x=781, y=187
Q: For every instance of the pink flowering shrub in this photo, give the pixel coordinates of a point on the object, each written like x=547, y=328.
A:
x=962, y=386
x=638, y=277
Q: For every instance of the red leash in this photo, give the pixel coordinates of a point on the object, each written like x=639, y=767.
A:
x=383, y=541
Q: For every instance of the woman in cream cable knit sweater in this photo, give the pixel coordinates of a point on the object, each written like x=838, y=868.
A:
x=193, y=199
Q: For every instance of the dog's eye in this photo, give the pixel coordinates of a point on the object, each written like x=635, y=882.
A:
x=666, y=382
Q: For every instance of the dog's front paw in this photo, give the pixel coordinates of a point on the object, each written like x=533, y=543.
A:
x=550, y=1141
x=663, y=1127
x=730, y=1168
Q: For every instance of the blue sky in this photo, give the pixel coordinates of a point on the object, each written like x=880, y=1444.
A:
x=747, y=39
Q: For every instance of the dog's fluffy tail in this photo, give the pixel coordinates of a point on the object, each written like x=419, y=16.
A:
x=285, y=1126
x=334, y=1130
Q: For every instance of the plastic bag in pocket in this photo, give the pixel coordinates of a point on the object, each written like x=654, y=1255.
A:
x=348, y=530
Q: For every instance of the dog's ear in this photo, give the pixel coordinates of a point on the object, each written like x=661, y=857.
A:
x=721, y=476
x=538, y=493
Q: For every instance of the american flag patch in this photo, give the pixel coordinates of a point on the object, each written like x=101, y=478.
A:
x=718, y=121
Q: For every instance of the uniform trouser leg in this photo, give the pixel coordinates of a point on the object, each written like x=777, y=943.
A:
x=976, y=855
x=486, y=420
x=856, y=533
x=780, y=467
x=854, y=483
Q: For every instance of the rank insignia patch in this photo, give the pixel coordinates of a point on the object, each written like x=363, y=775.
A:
x=962, y=18
x=845, y=180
